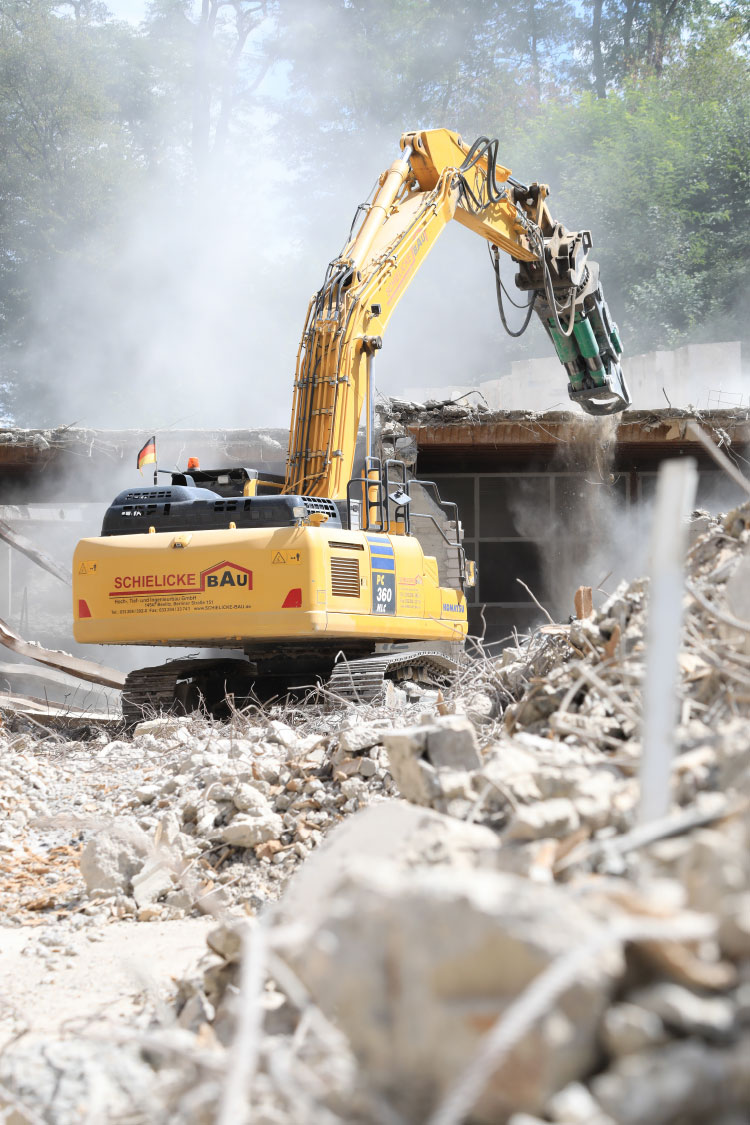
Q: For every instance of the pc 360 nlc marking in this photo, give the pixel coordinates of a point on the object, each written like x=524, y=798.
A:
x=284, y=573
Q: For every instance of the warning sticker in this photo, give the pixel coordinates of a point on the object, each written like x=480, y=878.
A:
x=282, y=557
x=88, y=567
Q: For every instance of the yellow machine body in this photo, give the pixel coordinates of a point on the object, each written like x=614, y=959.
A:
x=237, y=587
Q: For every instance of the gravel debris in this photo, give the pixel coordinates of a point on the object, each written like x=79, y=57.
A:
x=435, y=910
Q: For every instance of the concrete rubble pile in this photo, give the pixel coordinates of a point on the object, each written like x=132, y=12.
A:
x=195, y=805
x=447, y=911
x=250, y=801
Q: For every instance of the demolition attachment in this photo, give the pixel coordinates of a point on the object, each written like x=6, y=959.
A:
x=591, y=353
x=564, y=291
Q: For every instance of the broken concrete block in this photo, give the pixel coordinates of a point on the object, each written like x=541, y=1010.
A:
x=168, y=830
x=246, y=797
x=557, y=817
x=416, y=779
x=575, y=1105
x=346, y=767
x=161, y=727
x=709, y=1016
x=741, y=1001
x=277, y=731
x=511, y=770
x=245, y=831
x=734, y=926
x=480, y=708
x=150, y=912
x=628, y=1028
x=113, y=856
x=449, y=743
x=355, y=740
x=196, y=1012
x=415, y=1010
x=418, y=756
x=146, y=794
x=452, y=744
x=227, y=940
x=391, y=830
x=152, y=883
x=683, y=1081
x=179, y=899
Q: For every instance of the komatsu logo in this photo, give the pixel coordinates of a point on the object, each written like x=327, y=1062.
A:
x=227, y=574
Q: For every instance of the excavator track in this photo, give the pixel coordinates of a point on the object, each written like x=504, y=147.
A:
x=155, y=690
x=146, y=690
x=361, y=681
x=189, y=684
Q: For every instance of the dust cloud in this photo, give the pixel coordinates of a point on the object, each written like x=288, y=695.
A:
x=182, y=320
x=188, y=310
x=600, y=529
x=593, y=537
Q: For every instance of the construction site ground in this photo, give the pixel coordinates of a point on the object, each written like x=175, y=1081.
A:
x=440, y=907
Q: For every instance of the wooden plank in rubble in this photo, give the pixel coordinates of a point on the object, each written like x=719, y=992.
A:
x=26, y=547
x=63, y=661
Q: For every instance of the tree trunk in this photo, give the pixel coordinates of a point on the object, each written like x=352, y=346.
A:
x=631, y=9
x=201, y=92
x=600, y=84
x=534, y=50
x=664, y=15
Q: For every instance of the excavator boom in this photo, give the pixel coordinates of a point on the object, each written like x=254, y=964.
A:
x=438, y=178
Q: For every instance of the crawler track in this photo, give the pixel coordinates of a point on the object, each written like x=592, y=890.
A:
x=361, y=681
x=188, y=684
x=165, y=687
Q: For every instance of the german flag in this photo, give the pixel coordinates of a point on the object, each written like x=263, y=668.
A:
x=147, y=455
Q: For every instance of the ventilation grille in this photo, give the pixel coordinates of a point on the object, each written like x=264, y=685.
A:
x=162, y=494
x=345, y=577
x=345, y=546
x=320, y=504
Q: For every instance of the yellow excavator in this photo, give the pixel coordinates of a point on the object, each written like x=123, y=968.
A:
x=321, y=573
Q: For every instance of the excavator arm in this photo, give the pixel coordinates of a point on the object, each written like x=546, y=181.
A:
x=438, y=178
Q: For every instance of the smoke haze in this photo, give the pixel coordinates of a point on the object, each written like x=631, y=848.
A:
x=192, y=312
x=237, y=156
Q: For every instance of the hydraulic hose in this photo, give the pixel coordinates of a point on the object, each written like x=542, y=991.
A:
x=495, y=256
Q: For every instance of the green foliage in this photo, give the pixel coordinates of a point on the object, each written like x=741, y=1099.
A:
x=72, y=105
x=660, y=171
x=637, y=111
x=364, y=68
x=206, y=67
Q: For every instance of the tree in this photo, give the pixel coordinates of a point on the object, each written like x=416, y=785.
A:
x=629, y=38
x=204, y=69
x=376, y=67
x=70, y=132
x=660, y=171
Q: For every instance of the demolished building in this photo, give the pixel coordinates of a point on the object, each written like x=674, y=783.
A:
x=548, y=501
x=556, y=500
